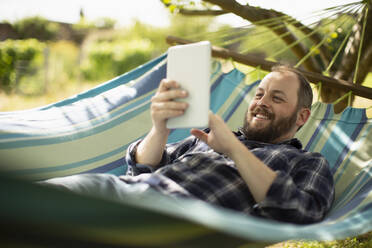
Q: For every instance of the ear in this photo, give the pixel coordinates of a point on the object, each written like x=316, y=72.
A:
x=302, y=116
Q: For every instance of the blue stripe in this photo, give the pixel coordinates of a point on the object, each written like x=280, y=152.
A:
x=358, y=182
x=68, y=166
x=335, y=149
x=349, y=160
x=320, y=127
x=115, y=166
x=223, y=89
x=114, y=152
x=92, y=124
x=83, y=134
x=239, y=99
x=347, y=147
x=144, y=86
x=119, y=171
x=355, y=202
x=366, y=207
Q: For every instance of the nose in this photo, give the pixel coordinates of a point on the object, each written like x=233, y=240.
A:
x=263, y=101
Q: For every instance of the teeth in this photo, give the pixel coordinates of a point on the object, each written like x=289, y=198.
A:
x=261, y=116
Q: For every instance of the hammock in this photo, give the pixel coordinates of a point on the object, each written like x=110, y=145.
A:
x=90, y=132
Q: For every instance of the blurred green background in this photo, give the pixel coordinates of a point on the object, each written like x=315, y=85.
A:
x=42, y=61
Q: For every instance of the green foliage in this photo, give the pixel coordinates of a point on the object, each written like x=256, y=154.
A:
x=36, y=27
x=186, y=26
x=21, y=55
x=108, y=59
x=105, y=23
x=174, y=6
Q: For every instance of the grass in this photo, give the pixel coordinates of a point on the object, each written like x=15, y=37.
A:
x=362, y=241
x=56, y=92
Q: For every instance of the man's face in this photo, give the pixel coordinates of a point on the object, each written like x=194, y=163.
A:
x=272, y=114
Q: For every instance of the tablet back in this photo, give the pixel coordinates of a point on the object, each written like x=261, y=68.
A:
x=189, y=65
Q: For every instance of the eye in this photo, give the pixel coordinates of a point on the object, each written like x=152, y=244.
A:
x=258, y=95
x=277, y=99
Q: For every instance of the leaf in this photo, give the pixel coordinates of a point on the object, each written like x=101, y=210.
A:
x=172, y=8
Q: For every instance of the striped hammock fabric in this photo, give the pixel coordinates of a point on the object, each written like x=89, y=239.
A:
x=89, y=133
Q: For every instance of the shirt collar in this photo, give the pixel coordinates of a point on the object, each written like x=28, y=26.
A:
x=293, y=142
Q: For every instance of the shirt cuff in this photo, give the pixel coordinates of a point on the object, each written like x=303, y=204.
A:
x=278, y=196
x=133, y=167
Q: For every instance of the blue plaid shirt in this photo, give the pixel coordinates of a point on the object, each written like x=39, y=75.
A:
x=302, y=192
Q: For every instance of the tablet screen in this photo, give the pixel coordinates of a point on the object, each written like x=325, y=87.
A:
x=189, y=65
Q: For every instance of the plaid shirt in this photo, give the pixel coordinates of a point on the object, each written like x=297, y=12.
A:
x=302, y=192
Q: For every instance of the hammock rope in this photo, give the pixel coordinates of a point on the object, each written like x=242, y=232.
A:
x=349, y=94
x=278, y=21
x=361, y=43
x=315, y=48
x=273, y=20
x=298, y=28
x=320, y=28
x=319, y=88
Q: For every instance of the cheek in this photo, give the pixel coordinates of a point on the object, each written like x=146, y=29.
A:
x=284, y=111
x=252, y=106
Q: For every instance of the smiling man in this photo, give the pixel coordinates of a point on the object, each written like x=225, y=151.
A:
x=259, y=170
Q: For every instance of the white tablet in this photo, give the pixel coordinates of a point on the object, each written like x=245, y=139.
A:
x=190, y=66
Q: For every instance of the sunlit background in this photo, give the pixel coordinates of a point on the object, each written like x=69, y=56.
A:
x=77, y=44
x=147, y=11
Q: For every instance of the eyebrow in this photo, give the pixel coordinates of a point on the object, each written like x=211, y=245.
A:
x=273, y=91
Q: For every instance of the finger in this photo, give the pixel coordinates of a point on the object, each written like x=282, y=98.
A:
x=217, y=124
x=166, y=84
x=203, y=136
x=169, y=95
x=167, y=114
x=170, y=105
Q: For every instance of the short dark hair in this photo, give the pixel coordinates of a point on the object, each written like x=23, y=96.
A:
x=305, y=93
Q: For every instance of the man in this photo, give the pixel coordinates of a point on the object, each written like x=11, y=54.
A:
x=259, y=170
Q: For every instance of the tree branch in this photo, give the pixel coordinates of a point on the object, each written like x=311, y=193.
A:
x=207, y=12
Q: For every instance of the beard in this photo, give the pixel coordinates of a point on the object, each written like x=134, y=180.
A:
x=271, y=132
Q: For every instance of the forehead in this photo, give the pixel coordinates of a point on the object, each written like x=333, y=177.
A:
x=284, y=82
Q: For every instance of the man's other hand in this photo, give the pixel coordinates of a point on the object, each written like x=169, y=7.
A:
x=220, y=138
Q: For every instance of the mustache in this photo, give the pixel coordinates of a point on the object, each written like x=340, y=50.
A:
x=263, y=111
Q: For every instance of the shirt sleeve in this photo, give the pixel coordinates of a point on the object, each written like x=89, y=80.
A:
x=301, y=196
x=171, y=152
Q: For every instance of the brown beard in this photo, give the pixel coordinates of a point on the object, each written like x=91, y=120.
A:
x=272, y=132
